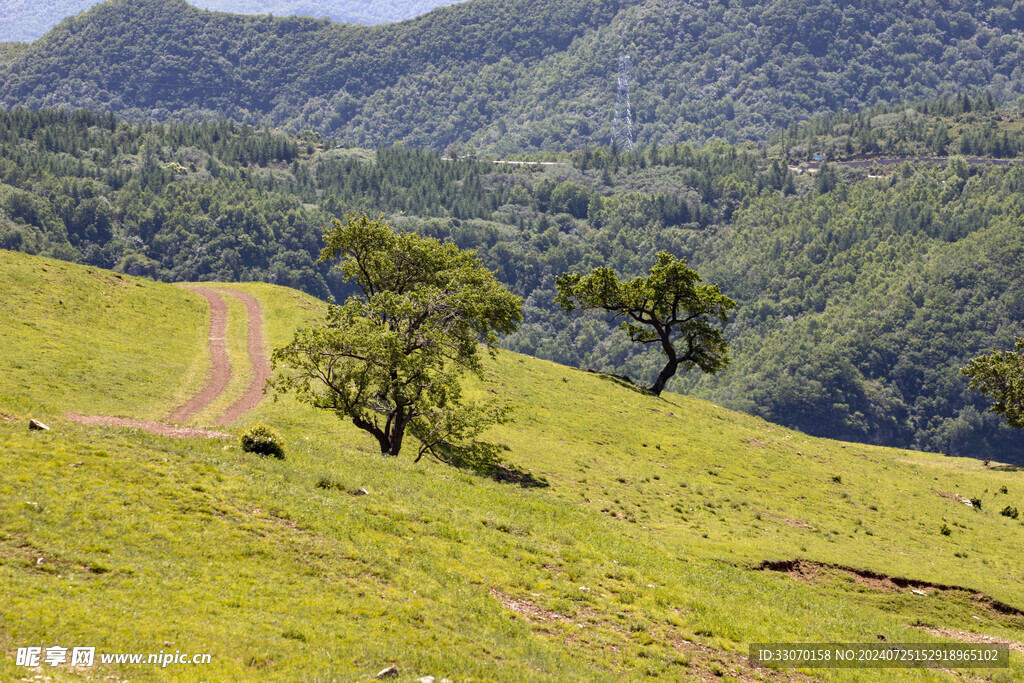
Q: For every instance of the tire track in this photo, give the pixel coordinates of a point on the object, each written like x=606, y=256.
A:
x=257, y=358
x=158, y=428
x=221, y=374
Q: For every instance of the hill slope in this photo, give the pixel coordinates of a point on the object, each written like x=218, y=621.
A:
x=642, y=556
x=514, y=74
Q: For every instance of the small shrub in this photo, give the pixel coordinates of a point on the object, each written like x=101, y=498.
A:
x=976, y=502
x=1003, y=489
x=1010, y=512
x=945, y=530
x=294, y=634
x=330, y=482
x=263, y=440
x=837, y=479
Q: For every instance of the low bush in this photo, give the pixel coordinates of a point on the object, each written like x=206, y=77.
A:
x=263, y=440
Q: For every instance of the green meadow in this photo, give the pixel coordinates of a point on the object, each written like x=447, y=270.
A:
x=631, y=547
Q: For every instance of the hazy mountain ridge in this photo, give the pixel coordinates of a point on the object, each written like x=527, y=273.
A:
x=26, y=21
x=514, y=74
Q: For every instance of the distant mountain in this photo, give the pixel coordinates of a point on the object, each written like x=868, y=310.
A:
x=24, y=21
x=523, y=74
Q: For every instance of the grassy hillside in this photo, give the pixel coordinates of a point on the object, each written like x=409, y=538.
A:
x=638, y=558
x=65, y=331
x=509, y=75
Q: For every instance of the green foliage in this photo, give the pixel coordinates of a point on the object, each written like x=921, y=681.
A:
x=1010, y=512
x=262, y=440
x=859, y=307
x=392, y=358
x=1000, y=376
x=668, y=308
x=508, y=75
x=945, y=530
x=943, y=127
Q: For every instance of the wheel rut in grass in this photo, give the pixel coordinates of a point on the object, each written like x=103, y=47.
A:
x=222, y=371
x=158, y=428
x=257, y=360
x=220, y=376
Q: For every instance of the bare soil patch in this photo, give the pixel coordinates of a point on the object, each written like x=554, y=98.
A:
x=788, y=520
x=159, y=428
x=527, y=609
x=968, y=637
x=955, y=496
x=807, y=570
x=706, y=663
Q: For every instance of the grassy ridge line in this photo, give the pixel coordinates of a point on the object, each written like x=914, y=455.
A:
x=92, y=341
x=275, y=569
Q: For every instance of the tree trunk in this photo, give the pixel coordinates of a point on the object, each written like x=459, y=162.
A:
x=666, y=374
x=398, y=425
x=382, y=437
x=396, y=438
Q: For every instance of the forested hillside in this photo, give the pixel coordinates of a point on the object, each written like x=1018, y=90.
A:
x=859, y=298
x=973, y=127
x=24, y=21
x=519, y=74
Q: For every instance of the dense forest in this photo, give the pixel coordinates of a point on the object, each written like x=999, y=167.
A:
x=510, y=75
x=958, y=125
x=859, y=297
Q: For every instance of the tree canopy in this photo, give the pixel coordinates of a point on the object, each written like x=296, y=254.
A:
x=390, y=358
x=1000, y=376
x=668, y=307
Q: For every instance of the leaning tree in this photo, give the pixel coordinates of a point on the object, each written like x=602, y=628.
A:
x=668, y=307
x=390, y=358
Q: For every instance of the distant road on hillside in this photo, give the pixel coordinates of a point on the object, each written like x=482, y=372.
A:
x=24, y=20
x=892, y=161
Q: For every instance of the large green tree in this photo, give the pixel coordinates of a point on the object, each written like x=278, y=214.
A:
x=1000, y=376
x=668, y=307
x=390, y=358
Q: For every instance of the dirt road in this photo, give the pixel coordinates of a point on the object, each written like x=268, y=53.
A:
x=257, y=359
x=220, y=375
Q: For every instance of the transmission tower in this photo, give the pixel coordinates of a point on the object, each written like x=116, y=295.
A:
x=622, y=127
